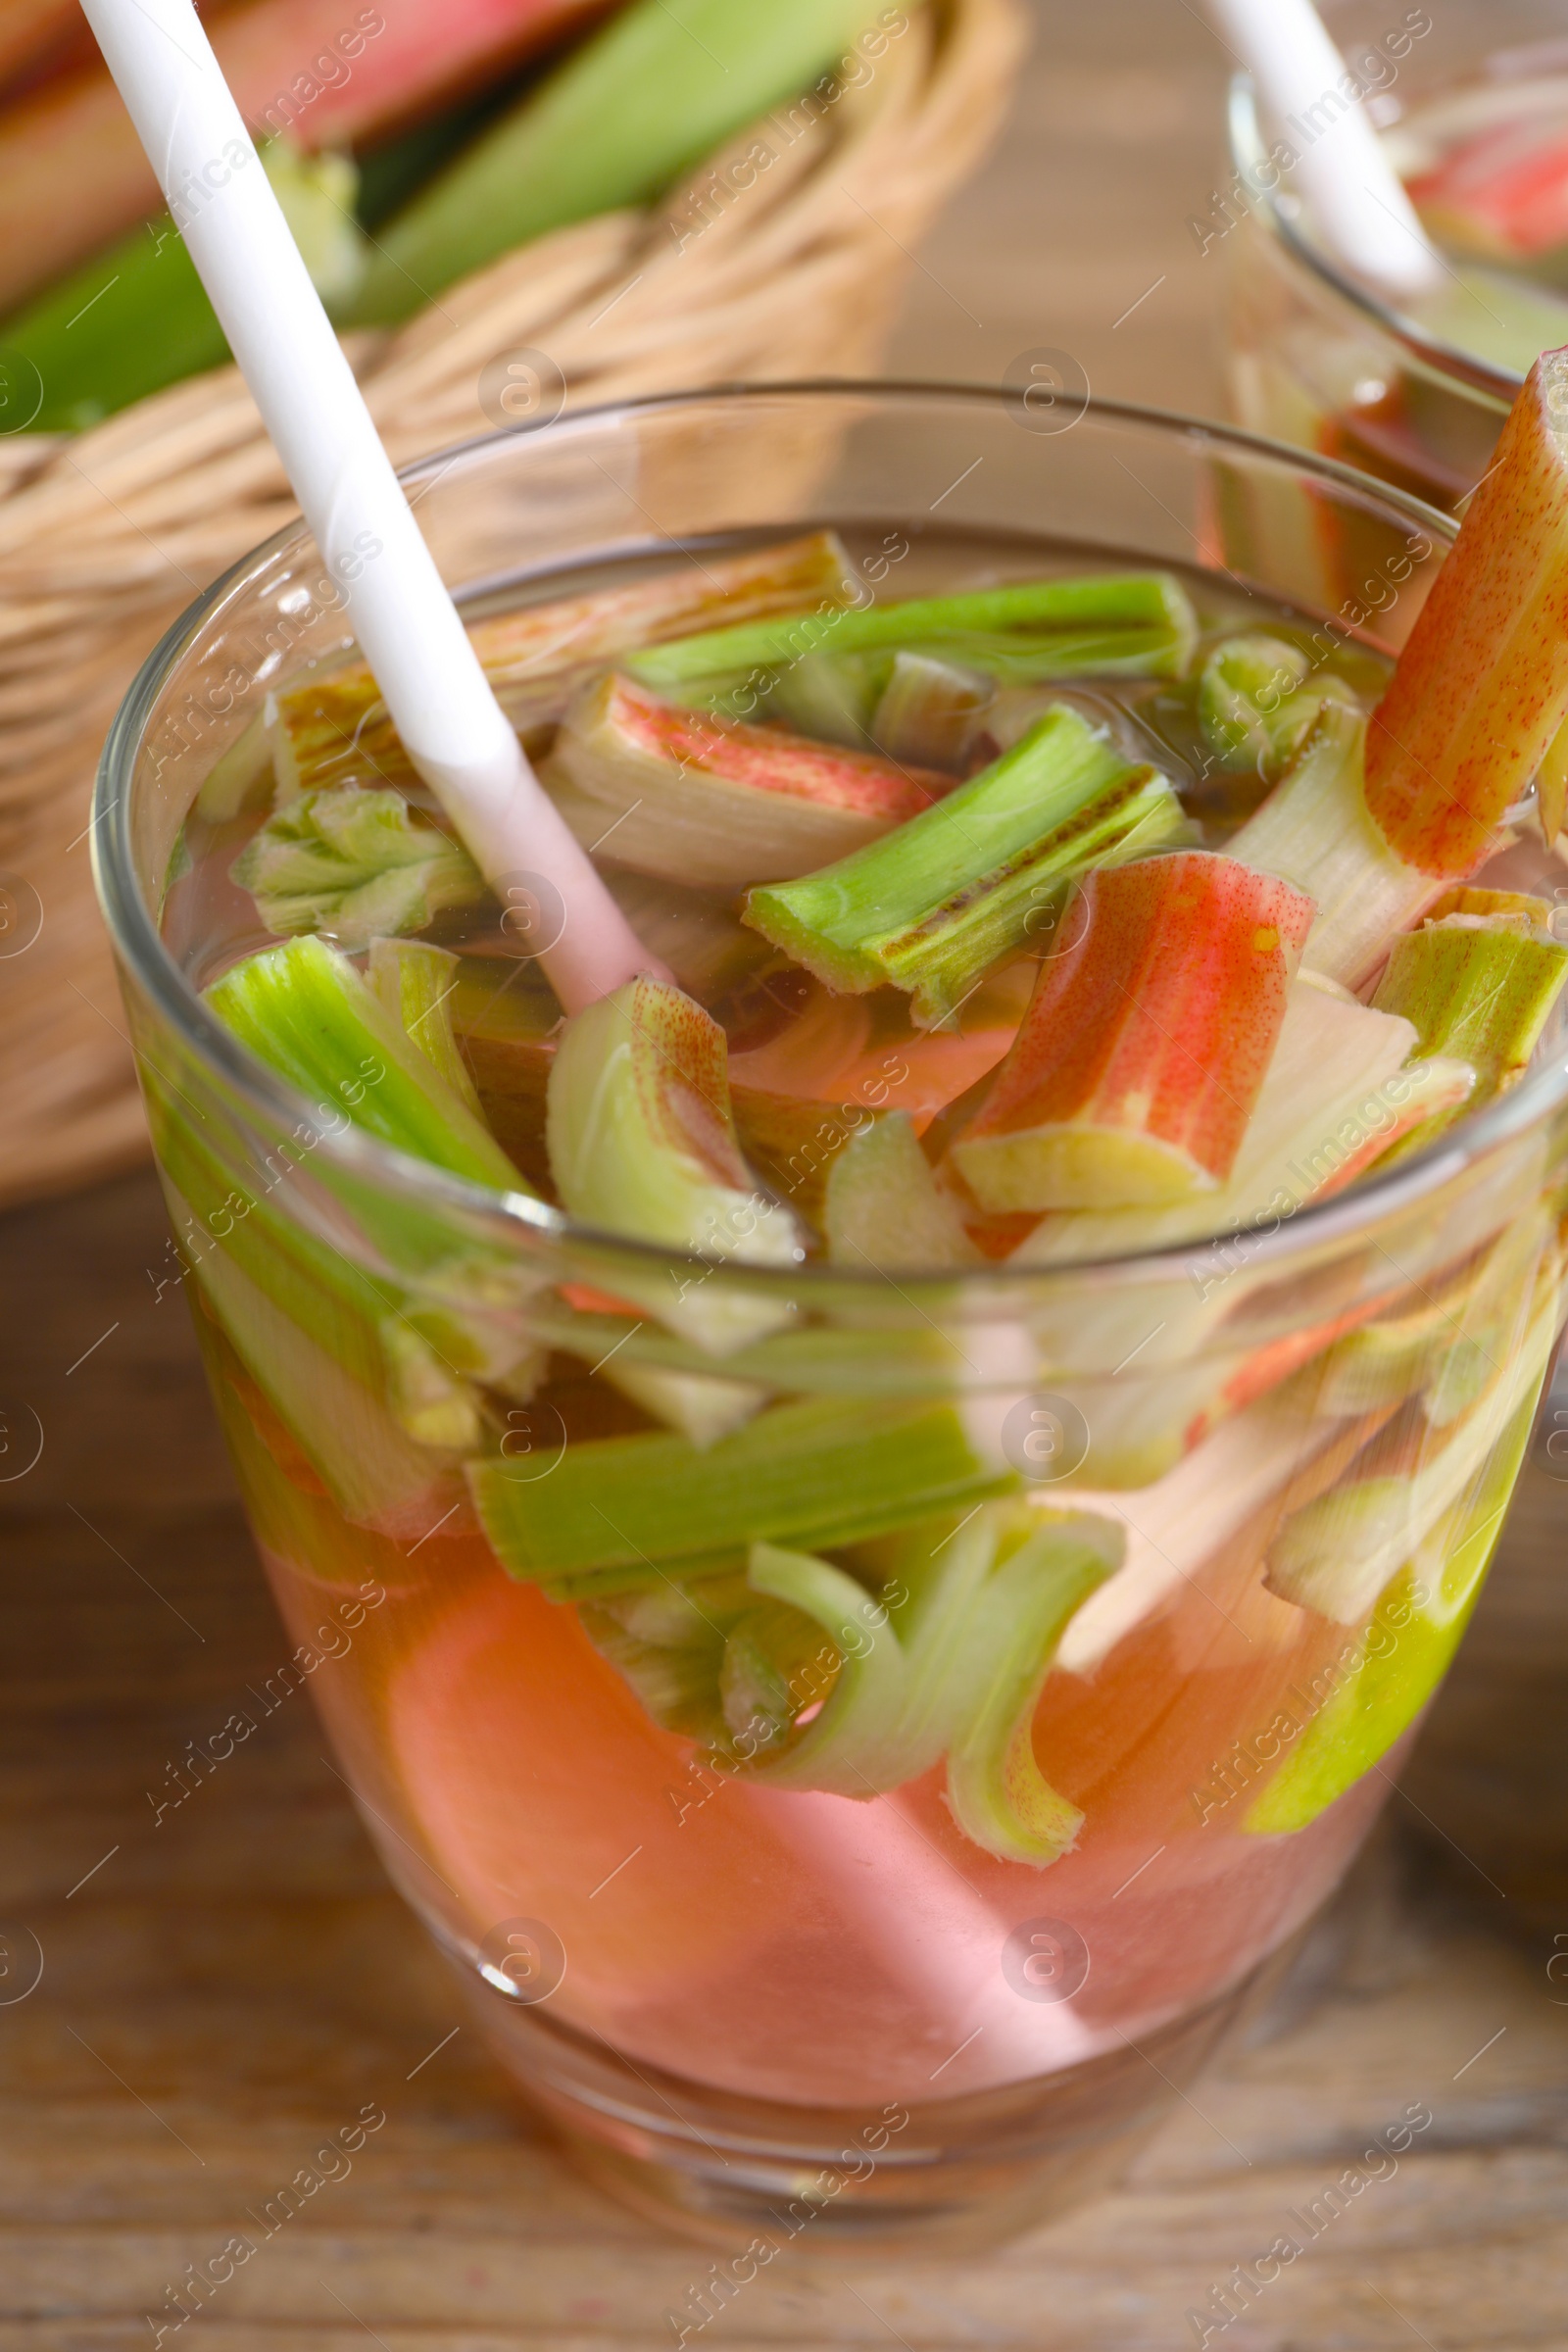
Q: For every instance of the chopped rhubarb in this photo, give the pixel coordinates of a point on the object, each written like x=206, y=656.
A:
x=335, y=729
x=713, y=802
x=1478, y=987
x=642, y=1142
x=357, y=864
x=1336, y=1555
x=309, y=1015
x=884, y=1208
x=1339, y=1091
x=822, y=1471
x=1314, y=830
x=1481, y=691
x=1551, y=787
x=1130, y=623
x=990, y=862
x=1254, y=706
x=1146, y=1042
x=417, y=984
x=929, y=712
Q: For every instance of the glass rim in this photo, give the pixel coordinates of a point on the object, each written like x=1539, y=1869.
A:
x=503, y=1216
x=1248, y=151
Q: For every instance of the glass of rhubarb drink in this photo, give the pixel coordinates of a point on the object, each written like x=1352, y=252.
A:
x=1472, y=103
x=900, y=1483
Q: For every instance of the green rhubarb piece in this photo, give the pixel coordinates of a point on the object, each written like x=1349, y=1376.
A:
x=373, y=1470
x=1335, y=1553
x=1141, y=622
x=920, y=899
x=1479, y=988
x=883, y=1206
x=358, y=864
x=1382, y=1681
x=428, y=1399
x=1252, y=708
x=817, y=1473
x=996, y=1791
x=137, y=316
x=951, y=1661
x=642, y=1143
x=306, y=1012
x=662, y=84
x=829, y=697
x=1315, y=830
x=930, y=711
x=940, y=960
x=418, y=984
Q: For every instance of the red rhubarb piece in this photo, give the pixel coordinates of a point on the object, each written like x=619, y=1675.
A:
x=1140, y=1057
x=1482, y=687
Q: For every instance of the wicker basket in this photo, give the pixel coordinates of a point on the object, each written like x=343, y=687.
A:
x=789, y=270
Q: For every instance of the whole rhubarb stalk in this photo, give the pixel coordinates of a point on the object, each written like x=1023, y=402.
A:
x=1481, y=691
x=1145, y=1043
x=73, y=173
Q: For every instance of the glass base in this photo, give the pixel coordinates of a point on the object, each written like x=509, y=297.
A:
x=952, y=2177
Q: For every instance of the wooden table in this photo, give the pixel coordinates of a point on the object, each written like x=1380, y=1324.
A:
x=225, y=1987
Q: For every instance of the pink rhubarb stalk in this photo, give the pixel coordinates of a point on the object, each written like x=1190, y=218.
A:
x=717, y=802
x=1482, y=687
x=1145, y=1044
x=73, y=175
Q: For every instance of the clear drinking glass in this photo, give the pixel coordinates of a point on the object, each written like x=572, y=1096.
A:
x=783, y=2012
x=1316, y=357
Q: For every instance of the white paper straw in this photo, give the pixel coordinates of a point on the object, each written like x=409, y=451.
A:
x=408, y=627
x=1358, y=203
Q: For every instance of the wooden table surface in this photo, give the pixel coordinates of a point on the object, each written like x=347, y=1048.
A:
x=223, y=1987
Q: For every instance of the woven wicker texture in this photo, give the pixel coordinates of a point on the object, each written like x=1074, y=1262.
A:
x=784, y=255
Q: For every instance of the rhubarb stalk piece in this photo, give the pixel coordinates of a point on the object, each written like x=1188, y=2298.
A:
x=1314, y=830
x=929, y=712
x=73, y=173
x=956, y=888
x=1480, y=987
x=1335, y=1554
x=1252, y=706
x=818, y=1472
x=1481, y=691
x=335, y=730
x=954, y=1666
x=416, y=983
x=1127, y=623
x=1147, y=1041
x=309, y=1015
x=883, y=1207
x=713, y=802
x=358, y=864
x=642, y=1142
x=1340, y=1092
